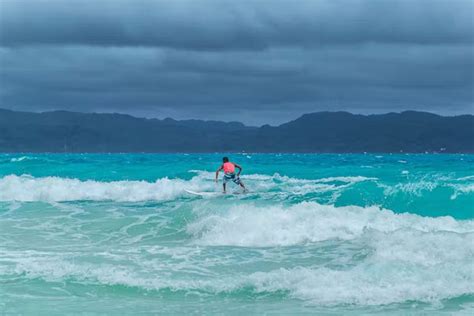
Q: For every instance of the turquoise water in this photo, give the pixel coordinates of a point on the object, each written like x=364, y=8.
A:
x=117, y=233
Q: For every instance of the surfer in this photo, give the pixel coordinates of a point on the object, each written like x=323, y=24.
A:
x=229, y=173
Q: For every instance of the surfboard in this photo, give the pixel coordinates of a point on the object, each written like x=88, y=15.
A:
x=210, y=194
x=203, y=193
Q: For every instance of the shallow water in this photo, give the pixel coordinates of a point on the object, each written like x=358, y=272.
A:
x=316, y=234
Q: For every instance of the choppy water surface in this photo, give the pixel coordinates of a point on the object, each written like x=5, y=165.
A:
x=316, y=233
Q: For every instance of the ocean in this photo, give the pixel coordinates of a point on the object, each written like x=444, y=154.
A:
x=316, y=233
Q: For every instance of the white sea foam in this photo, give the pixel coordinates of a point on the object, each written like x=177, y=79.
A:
x=466, y=178
x=458, y=186
x=20, y=159
x=51, y=189
x=287, y=179
x=294, y=186
x=414, y=188
x=369, y=284
x=407, y=257
x=364, y=285
x=404, y=265
x=461, y=189
x=56, y=189
x=277, y=225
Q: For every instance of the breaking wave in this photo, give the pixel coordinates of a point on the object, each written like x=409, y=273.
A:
x=277, y=225
x=55, y=189
x=406, y=257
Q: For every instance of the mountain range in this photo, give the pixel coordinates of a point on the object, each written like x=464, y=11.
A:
x=338, y=132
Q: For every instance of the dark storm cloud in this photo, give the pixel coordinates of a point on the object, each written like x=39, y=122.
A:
x=229, y=25
x=262, y=61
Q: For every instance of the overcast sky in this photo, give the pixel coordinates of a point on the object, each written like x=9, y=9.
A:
x=254, y=61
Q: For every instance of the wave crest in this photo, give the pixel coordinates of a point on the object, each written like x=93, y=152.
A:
x=55, y=189
x=277, y=225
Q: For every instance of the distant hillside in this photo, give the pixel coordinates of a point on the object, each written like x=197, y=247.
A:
x=394, y=132
x=62, y=131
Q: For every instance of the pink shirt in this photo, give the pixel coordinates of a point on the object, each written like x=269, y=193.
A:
x=228, y=167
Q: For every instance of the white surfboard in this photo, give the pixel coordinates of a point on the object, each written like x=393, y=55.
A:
x=203, y=193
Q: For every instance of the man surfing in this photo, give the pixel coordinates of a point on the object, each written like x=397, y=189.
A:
x=229, y=173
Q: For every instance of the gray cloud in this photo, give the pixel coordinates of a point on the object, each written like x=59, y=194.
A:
x=257, y=61
x=230, y=25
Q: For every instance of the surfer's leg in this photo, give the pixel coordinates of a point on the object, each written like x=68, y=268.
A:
x=239, y=182
x=223, y=185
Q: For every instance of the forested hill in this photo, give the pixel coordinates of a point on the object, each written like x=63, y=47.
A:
x=62, y=131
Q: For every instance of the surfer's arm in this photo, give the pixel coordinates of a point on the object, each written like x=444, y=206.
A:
x=217, y=172
x=238, y=167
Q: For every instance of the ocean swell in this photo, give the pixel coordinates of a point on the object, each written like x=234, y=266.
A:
x=56, y=189
x=278, y=225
